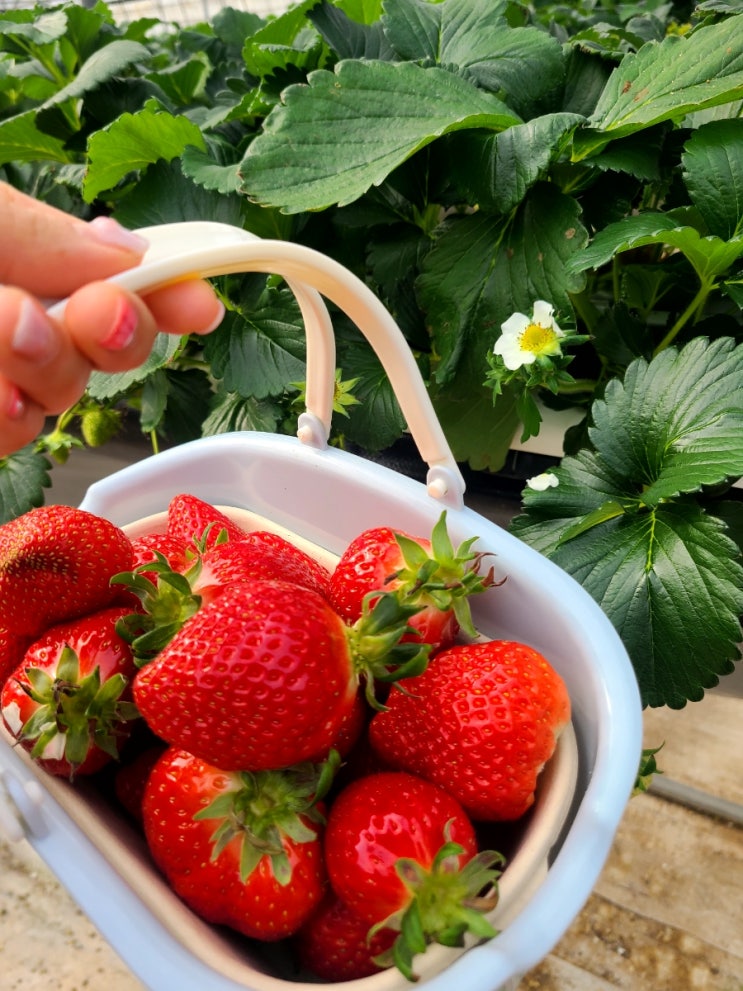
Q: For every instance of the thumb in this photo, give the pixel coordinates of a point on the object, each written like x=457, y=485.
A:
x=51, y=253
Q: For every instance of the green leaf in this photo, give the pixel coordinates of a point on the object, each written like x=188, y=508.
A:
x=183, y=82
x=710, y=256
x=105, y=385
x=257, y=354
x=23, y=477
x=347, y=130
x=666, y=81
x=675, y=423
x=473, y=38
x=102, y=65
x=664, y=570
x=377, y=421
x=231, y=412
x=165, y=195
x=498, y=169
x=482, y=269
x=22, y=141
x=351, y=37
x=43, y=30
x=216, y=168
x=713, y=173
x=132, y=142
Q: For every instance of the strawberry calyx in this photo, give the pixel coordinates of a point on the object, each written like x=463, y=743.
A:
x=446, y=578
x=375, y=642
x=446, y=903
x=165, y=605
x=267, y=807
x=84, y=711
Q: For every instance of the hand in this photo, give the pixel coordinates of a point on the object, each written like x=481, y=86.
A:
x=45, y=364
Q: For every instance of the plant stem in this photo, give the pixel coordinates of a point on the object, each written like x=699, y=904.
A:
x=576, y=386
x=694, y=306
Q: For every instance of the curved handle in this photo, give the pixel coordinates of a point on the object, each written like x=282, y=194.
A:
x=204, y=249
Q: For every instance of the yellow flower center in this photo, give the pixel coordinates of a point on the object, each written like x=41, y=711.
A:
x=537, y=339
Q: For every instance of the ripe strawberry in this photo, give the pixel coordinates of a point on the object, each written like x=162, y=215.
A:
x=402, y=855
x=189, y=517
x=69, y=701
x=267, y=675
x=257, y=556
x=259, y=678
x=145, y=550
x=130, y=780
x=429, y=572
x=242, y=850
x=334, y=943
x=13, y=647
x=480, y=722
x=56, y=563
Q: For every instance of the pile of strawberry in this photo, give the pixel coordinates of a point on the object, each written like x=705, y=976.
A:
x=310, y=753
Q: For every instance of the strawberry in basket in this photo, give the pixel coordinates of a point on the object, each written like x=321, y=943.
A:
x=431, y=572
x=69, y=701
x=481, y=722
x=242, y=850
x=55, y=564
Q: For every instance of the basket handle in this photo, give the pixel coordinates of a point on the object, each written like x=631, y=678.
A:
x=204, y=249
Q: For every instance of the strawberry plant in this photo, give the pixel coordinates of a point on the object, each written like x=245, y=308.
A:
x=546, y=196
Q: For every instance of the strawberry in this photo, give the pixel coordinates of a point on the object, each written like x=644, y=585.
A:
x=257, y=556
x=56, y=563
x=429, y=572
x=145, y=550
x=402, y=854
x=259, y=678
x=481, y=721
x=267, y=675
x=69, y=701
x=130, y=780
x=241, y=849
x=189, y=517
x=334, y=943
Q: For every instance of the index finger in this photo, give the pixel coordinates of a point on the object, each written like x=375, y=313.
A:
x=51, y=253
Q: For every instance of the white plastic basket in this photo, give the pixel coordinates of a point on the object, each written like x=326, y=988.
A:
x=325, y=496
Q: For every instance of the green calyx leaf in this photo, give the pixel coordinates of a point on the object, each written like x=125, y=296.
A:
x=446, y=902
x=166, y=605
x=628, y=518
x=267, y=810
x=445, y=579
x=84, y=711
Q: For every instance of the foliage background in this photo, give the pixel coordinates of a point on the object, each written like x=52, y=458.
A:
x=464, y=158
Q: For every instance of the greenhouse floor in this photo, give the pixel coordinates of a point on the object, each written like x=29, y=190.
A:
x=665, y=915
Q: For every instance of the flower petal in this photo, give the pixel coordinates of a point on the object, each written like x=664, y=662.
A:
x=516, y=324
x=540, y=483
x=513, y=354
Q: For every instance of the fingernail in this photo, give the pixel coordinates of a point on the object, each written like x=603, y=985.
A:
x=14, y=406
x=33, y=337
x=109, y=232
x=121, y=333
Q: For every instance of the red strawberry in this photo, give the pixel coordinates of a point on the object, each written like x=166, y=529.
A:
x=481, y=722
x=56, y=563
x=69, y=701
x=131, y=779
x=429, y=572
x=261, y=677
x=402, y=854
x=147, y=547
x=267, y=675
x=242, y=850
x=13, y=647
x=257, y=556
x=334, y=944
x=189, y=517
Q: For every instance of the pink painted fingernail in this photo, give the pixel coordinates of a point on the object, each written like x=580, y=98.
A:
x=15, y=406
x=109, y=232
x=121, y=333
x=33, y=337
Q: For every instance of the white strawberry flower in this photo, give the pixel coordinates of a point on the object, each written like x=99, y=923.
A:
x=523, y=339
x=540, y=483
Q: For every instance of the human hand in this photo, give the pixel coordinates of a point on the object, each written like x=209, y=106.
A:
x=45, y=364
